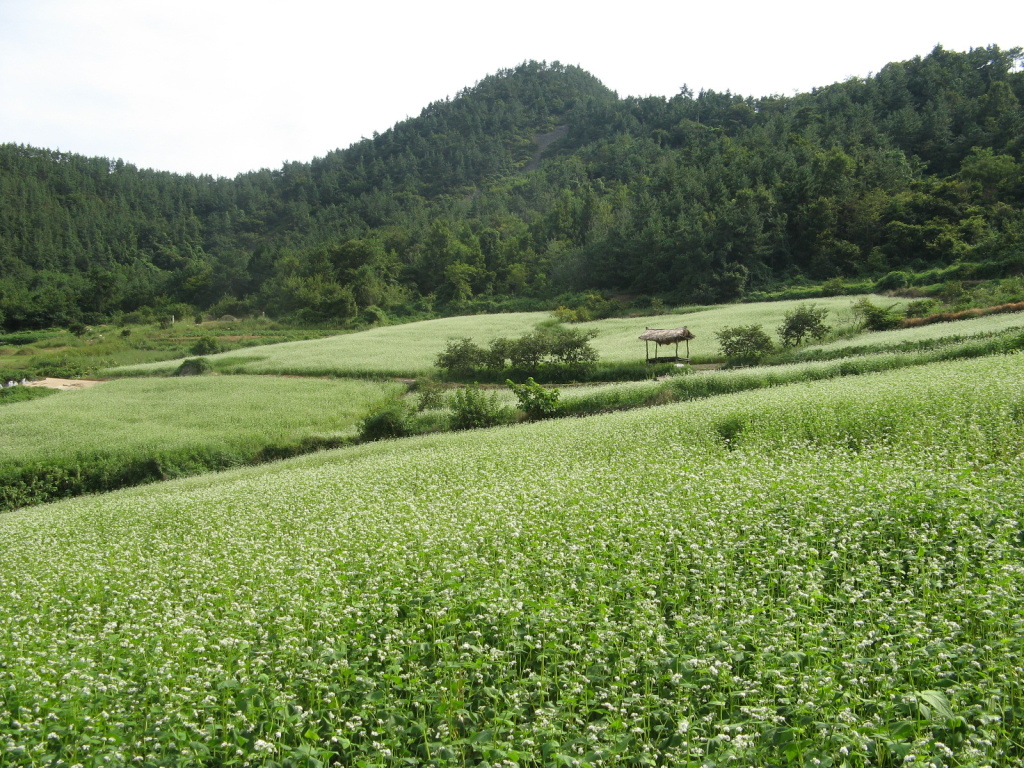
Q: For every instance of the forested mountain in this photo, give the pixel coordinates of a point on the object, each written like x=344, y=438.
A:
x=696, y=197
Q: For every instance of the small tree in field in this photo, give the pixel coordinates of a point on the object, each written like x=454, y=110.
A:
x=744, y=343
x=805, y=322
x=876, y=318
x=472, y=408
x=461, y=357
x=536, y=401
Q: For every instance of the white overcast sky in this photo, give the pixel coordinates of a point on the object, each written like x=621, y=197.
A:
x=226, y=86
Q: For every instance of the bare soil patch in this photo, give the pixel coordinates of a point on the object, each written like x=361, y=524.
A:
x=65, y=384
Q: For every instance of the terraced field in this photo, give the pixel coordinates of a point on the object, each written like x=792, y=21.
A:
x=410, y=350
x=139, y=430
x=826, y=573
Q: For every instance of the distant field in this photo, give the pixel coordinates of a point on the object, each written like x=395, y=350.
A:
x=410, y=350
x=397, y=350
x=618, y=340
x=159, y=414
x=816, y=574
x=880, y=340
x=167, y=426
x=63, y=353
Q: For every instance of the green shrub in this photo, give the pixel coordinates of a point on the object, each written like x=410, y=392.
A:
x=461, y=357
x=536, y=402
x=806, y=321
x=20, y=394
x=893, y=281
x=195, y=366
x=920, y=307
x=388, y=421
x=63, y=368
x=549, y=346
x=744, y=343
x=876, y=318
x=954, y=292
x=566, y=315
x=833, y=287
x=430, y=394
x=205, y=345
x=472, y=408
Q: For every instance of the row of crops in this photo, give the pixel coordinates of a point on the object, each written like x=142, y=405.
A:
x=818, y=574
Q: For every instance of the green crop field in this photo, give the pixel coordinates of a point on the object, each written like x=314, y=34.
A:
x=150, y=428
x=819, y=574
x=617, y=338
x=937, y=332
x=410, y=350
x=397, y=350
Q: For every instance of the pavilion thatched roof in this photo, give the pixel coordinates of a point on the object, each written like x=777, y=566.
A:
x=667, y=335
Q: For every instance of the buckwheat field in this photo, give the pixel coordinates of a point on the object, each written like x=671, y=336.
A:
x=822, y=574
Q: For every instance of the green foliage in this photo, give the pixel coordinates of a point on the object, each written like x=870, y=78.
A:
x=805, y=322
x=461, y=358
x=623, y=197
x=389, y=421
x=821, y=551
x=206, y=345
x=876, y=318
x=535, y=401
x=589, y=306
x=834, y=286
x=893, y=281
x=196, y=366
x=920, y=307
x=20, y=393
x=430, y=394
x=550, y=348
x=474, y=408
x=744, y=343
x=64, y=367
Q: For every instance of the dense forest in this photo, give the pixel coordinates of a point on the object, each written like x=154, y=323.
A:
x=536, y=182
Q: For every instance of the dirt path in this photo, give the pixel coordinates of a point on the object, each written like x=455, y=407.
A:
x=542, y=141
x=65, y=384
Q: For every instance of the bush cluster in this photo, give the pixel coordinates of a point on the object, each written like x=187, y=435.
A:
x=205, y=345
x=805, y=322
x=566, y=350
x=473, y=408
x=389, y=421
x=536, y=402
x=196, y=366
x=745, y=344
x=876, y=318
x=749, y=344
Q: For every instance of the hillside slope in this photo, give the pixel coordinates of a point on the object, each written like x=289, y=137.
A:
x=700, y=197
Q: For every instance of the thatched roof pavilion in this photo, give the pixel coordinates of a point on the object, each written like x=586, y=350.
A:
x=664, y=336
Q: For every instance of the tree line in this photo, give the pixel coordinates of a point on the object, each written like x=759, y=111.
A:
x=699, y=197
